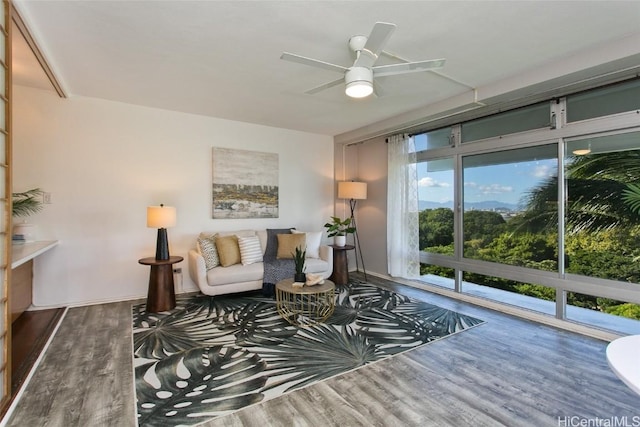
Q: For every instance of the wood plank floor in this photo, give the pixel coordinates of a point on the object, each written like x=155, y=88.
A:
x=29, y=334
x=506, y=372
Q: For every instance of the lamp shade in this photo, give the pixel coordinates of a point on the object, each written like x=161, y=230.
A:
x=161, y=216
x=352, y=190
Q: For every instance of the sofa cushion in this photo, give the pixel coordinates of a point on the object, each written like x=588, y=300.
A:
x=228, y=250
x=313, y=239
x=235, y=274
x=316, y=265
x=207, y=248
x=262, y=235
x=237, y=233
x=272, y=242
x=287, y=244
x=250, y=250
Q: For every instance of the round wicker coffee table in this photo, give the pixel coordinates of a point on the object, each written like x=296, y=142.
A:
x=306, y=305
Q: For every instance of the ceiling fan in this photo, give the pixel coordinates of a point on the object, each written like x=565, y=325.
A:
x=359, y=78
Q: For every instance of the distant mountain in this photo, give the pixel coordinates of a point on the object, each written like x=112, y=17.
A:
x=426, y=204
x=489, y=205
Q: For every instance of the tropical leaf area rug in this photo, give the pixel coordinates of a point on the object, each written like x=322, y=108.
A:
x=211, y=356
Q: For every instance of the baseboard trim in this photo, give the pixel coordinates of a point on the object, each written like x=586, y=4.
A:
x=132, y=298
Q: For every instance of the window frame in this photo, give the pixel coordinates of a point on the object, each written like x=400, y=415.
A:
x=559, y=133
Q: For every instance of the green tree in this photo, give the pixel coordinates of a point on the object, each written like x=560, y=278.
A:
x=631, y=311
x=596, y=190
x=436, y=227
x=480, y=229
x=483, y=225
x=606, y=254
x=525, y=249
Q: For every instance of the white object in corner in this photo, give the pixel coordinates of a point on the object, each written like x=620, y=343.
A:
x=623, y=355
x=24, y=232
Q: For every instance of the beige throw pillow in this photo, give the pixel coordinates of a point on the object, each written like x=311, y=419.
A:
x=287, y=244
x=228, y=250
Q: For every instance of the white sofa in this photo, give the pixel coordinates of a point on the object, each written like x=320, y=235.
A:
x=240, y=278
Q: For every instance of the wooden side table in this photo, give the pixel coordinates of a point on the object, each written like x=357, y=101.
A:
x=340, y=275
x=162, y=294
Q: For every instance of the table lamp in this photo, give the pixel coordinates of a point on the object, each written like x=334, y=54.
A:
x=354, y=191
x=161, y=217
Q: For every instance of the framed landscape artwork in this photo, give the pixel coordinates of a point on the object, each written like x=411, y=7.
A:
x=245, y=184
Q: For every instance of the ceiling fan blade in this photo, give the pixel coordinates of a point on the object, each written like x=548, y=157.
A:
x=312, y=62
x=325, y=86
x=375, y=43
x=407, y=67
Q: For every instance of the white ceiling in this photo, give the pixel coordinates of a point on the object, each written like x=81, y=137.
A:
x=221, y=58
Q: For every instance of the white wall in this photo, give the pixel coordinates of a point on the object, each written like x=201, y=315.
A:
x=104, y=162
x=372, y=213
x=367, y=162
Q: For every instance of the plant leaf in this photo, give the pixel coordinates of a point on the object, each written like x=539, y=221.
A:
x=27, y=203
x=316, y=353
x=193, y=380
x=631, y=196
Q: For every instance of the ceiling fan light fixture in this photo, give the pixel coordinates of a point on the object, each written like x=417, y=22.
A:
x=359, y=82
x=358, y=78
x=360, y=89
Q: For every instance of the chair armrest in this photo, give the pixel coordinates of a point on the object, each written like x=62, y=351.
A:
x=197, y=269
x=326, y=254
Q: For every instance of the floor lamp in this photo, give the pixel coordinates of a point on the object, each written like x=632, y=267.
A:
x=354, y=191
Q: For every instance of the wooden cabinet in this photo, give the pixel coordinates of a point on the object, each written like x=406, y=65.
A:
x=21, y=289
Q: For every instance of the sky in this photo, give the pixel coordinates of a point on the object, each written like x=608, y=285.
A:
x=505, y=183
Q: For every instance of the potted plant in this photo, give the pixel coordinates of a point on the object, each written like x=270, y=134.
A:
x=25, y=204
x=299, y=259
x=338, y=229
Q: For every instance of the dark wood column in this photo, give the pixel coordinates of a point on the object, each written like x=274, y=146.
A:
x=161, y=295
x=340, y=274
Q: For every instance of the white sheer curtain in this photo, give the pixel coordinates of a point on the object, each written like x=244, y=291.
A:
x=403, y=252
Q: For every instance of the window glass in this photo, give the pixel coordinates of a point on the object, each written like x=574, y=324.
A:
x=437, y=275
x=435, y=202
x=604, y=101
x=438, y=138
x=503, y=220
x=511, y=214
x=619, y=316
x=525, y=295
x=602, y=230
x=522, y=119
